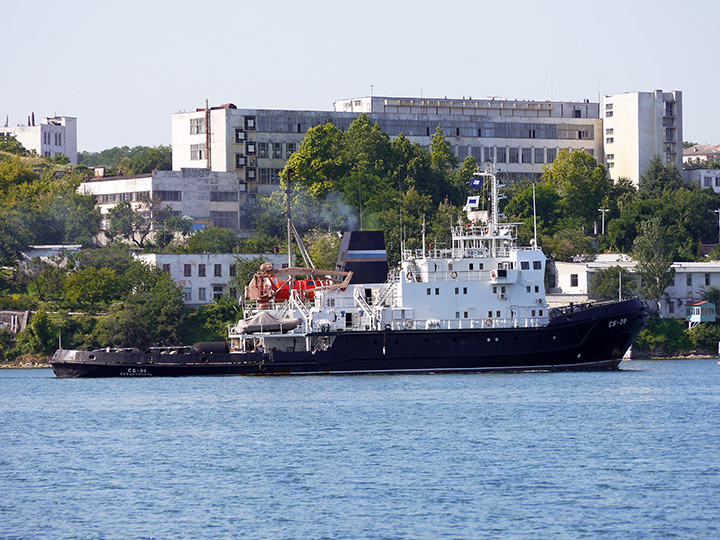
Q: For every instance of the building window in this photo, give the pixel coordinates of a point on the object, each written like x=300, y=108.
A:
x=277, y=150
x=187, y=294
x=170, y=195
x=437, y=291
x=240, y=161
x=202, y=270
x=551, y=153
x=202, y=294
x=539, y=155
x=239, y=135
x=428, y=292
x=217, y=270
x=688, y=280
x=289, y=148
x=250, y=148
x=262, y=149
x=527, y=155
x=197, y=151
x=707, y=280
x=573, y=280
x=577, y=113
x=609, y=131
x=537, y=265
x=223, y=196
x=524, y=265
x=227, y=220
x=501, y=154
x=166, y=268
x=232, y=270
x=250, y=122
x=187, y=270
x=608, y=114
x=671, y=307
x=197, y=126
x=513, y=155
x=217, y=292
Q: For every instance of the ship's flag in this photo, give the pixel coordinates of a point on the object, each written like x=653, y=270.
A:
x=476, y=182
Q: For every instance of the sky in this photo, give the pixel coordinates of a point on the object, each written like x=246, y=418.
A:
x=123, y=68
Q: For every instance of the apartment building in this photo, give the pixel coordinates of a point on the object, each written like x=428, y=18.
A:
x=205, y=277
x=638, y=126
x=209, y=198
x=574, y=280
x=51, y=137
x=520, y=136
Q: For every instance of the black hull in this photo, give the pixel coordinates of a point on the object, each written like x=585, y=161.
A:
x=595, y=338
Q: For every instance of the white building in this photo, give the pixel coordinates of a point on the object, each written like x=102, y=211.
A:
x=204, y=277
x=701, y=153
x=520, y=136
x=703, y=178
x=53, y=136
x=209, y=198
x=638, y=126
x=573, y=282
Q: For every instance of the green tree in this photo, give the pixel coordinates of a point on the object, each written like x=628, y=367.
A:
x=153, y=313
x=8, y=143
x=569, y=245
x=654, y=259
x=582, y=184
x=40, y=336
x=212, y=240
x=91, y=287
x=245, y=269
x=657, y=178
x=605, y=283
x=318, y=163
x=323, y=247
x=134, y=223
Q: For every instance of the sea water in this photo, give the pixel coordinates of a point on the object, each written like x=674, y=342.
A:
x=625, y=454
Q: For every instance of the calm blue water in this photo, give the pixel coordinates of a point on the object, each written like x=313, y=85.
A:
x=627, y=454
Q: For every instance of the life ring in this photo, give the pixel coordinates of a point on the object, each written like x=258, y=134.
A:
x=453, y=274
x=408, y=324
x=488, y=322
x=492, y=274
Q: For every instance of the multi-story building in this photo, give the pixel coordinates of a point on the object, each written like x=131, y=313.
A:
x=574, y=281
x=520, y=136
x=53, y=136
x=638, y=126
x=209, y=198
x=205, y=277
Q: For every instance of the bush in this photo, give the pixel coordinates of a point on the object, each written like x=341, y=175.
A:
x=705, y=337
x=664, y=337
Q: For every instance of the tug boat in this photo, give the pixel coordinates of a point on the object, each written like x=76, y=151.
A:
x=476, y=305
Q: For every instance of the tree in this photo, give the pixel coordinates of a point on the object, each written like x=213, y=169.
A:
x=40, y=336
x=323, y=247
x=570, y=245
x=8, y=143
x=245, y=269
x=212, y=240
x=134, y=223
x=654, y=259
x=91, y=287
x=605, y=283
x=581, y=183
x=657, y=178
x=153, y=313
x=318, y=163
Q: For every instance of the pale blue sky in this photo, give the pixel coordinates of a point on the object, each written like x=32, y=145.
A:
x=122, y=68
